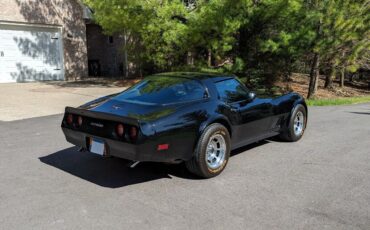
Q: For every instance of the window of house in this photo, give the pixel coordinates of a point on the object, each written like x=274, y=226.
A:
x=231, y=90
x=110, y=40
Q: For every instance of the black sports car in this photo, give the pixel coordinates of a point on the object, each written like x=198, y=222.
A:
x=196, y=118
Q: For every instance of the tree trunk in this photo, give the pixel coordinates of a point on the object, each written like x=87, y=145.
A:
x=361, y=76
x=329, y=77
x=190, y=58
x=315, y=71
x=288, y=70
x=209, y=57
x=125, y=55
x=342, y=75
x=351, y=77
x=314, y=76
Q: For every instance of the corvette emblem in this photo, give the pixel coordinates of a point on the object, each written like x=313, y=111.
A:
x=116, y=107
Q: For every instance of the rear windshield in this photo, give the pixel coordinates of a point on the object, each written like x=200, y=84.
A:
x=163, y=90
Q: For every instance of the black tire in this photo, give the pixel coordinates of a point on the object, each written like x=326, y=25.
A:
x=198, y=164
x=289, y=133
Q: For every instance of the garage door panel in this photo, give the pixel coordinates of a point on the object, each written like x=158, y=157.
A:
x=25, y=73
x=30, y=54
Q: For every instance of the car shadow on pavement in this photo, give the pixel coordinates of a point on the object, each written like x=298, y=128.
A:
x=361, y=113
x=248, y=147
x=115, y=172
x=111, y=172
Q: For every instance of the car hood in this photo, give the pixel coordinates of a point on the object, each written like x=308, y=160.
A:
x=136, y=110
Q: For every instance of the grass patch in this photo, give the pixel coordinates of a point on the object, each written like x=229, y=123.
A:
x=338, y=101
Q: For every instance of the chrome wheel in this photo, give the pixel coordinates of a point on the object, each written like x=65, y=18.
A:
x=299, y=123
x=216, y=149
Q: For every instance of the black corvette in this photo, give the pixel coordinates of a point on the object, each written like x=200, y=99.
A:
x=195, y=118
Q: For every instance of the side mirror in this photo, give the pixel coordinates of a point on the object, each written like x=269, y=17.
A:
x=252, y=96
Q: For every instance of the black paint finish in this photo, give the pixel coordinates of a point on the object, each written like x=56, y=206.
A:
x=178, y=124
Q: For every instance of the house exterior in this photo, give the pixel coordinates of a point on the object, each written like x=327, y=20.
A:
x=105, y=53
x=50, y=40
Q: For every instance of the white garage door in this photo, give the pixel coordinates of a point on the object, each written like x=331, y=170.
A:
x=30, y=54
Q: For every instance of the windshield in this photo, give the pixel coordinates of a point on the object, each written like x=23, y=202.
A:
x=163, y=90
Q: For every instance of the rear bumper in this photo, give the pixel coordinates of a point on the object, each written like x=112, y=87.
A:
x=135, y=152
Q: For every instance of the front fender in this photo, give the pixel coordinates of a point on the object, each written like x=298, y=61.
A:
x=299, y=100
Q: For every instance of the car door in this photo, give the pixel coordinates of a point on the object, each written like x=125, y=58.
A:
x=249, y=116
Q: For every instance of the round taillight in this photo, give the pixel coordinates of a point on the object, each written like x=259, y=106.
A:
x=69, y=119
x=133, y=133
x=120, y=130
x=79, y=120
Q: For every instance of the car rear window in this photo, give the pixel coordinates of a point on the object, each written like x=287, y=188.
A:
x=163, y=90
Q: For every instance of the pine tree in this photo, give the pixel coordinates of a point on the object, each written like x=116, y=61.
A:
x=343, y=36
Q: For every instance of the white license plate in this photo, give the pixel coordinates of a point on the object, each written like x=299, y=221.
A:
x=97, y=146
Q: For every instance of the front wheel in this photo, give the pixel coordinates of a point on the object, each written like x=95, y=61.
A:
x=297, y=125
x=212, y=152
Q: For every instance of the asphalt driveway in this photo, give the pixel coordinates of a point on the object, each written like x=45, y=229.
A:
x=321, y=182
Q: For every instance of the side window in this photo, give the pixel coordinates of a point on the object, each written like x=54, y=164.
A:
x=231, y=90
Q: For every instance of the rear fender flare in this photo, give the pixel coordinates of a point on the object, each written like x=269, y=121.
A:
x=216, y=119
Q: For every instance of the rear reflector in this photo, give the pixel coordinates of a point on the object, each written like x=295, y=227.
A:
x=120, y=130
x=133, y=133
x=79, y=120
x=163, y=147
x=69, y=119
